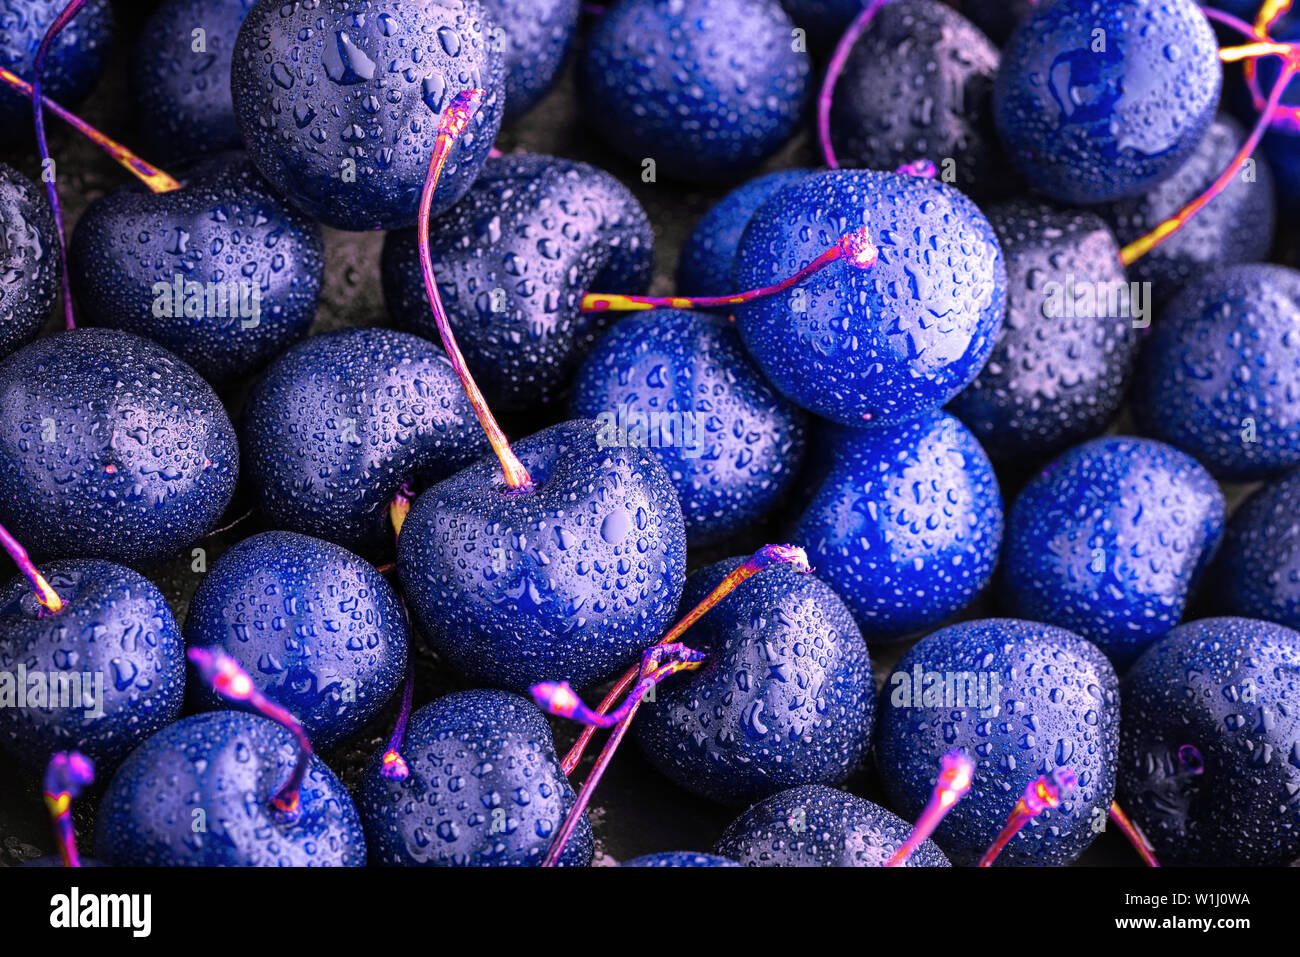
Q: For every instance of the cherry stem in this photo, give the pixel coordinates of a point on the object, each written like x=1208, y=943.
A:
x=43, y=148
x=1253, y=51
x=399, y=507
x=234, y=523
x=956, y=772
x=559, y=698
x=855, y=248
x=1163, y=231
x=1046, y=792
x=1134, y=835
x=453, y=122
x=224, y=675
x=66, y=776
x=153, y=177
x=46, y=595
x=765, y=557
x=392, y=765
x=833, y=71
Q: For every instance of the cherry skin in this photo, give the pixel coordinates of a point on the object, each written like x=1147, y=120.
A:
x=786, y=697
x=181, y=95
x=1096, y=102
x=1237, y=227
x=513, y=260
x=705, y=88
x=1257, y=572
x=29, y=260
x=323, y=631
x=110, y=447
x=484, y=789
x=1055, y=704
x=1061, y=367
x=734, y=444
x=568, y=581
x=906, y=525
x=918, y=84
x=117, y=633
x=709, y=254
x=198, y=794
x=338, y=424
x=1220, y=375
x=884, y=344
x=339, y=102
x=1207, y=749
x=1108, y=541
x=818, y=826
x=73, y=66
x=538, y=37
x=679, y=859
x=225, y=226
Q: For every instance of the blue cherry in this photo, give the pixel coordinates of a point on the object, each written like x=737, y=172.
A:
x=114, y=639
x=222, y=271
x=1062, y=365
x=339, y=102
x=1209, y=761
x=706, y=89
x=1220, y=375
x=878, y=345
x=1021, y=699
x=513, y=260
x=784, y=699
x=1108, y=541
x=538, y=35
x=680, y=859
x=1257, y=572
x=1099, y=101
x=180, y=78
x=323, y=631
x=341, y=422
x=682, y=382
x=110, y=447
x=198, y=794
x=568, y=579
x=483, y=788
x=708, y=256
x=906, y=524
x=818, y=826
x=29, y=261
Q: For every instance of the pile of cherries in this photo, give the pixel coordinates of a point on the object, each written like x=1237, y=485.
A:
x=991, y=367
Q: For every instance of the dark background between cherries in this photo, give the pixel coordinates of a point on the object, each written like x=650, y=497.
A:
x=635, y=811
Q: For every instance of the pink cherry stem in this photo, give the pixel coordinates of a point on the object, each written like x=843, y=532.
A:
x=956, y=771
x=764, y=558
x=1134, y=835
x=855, y=248
x=1048, y=791
x=66, y=776
x=833, y=71
x=453, y=122
x=224, y=675
x=46, y=595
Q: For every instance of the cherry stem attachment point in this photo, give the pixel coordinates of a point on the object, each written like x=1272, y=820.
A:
x=46, y=595
x=956, y=772
x=454, y=119
x=764, y=558
x=1048, y=791
x=855, y=248
x=920, y=168
x=153, y=177
x=66, y=776
x=399, y=507
x=224, y=675
x=1134, y=835
x=833, y=71
x=392, y=765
